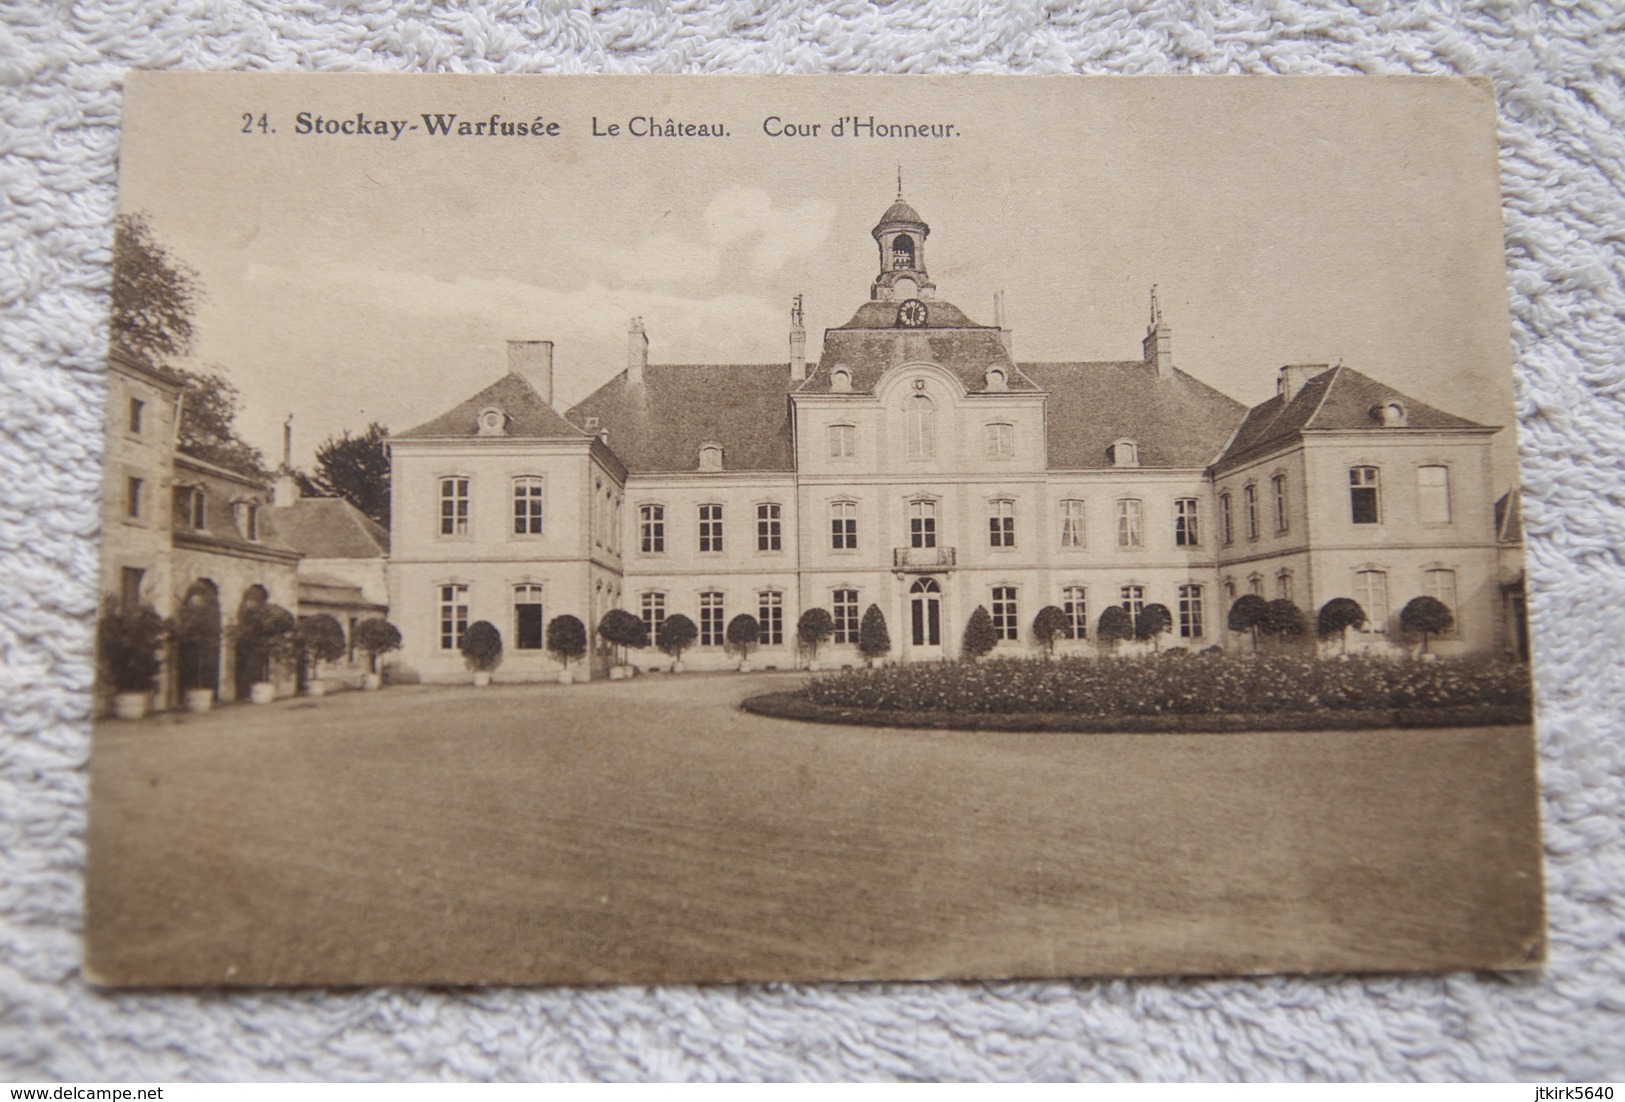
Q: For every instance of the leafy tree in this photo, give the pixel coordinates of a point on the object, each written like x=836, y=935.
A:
x=1426, y=616
x=1282, y=620
x=153, y=296
x=321, y=639
x=265, y=635
x=355, y=468
x=566, y=639
x=742, y=634
x=1048, y=626
x=129, y=644
x=377, y=636
x=815, y=626
x=1152, y=623
x=979, y=638
x=482, y=646
x=1247, y=614
x=1337, y=616
x=677, y=633
x=207, y=431
x=1114, y=626
x=196, y=628
x=621, y=629
x=874, y=641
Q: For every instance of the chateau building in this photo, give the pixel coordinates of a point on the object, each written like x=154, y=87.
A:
x=919, y=467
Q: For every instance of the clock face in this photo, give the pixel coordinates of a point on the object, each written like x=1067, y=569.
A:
x=912, y=314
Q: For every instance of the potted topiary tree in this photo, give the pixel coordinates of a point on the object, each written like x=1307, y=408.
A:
x=1425, y=616
x=1246, y=615
x=1336, y=617
x=196, y=631
x=622, y=630
x=979, y=638
x=677, y=633
x=742, y=635
x=376, y=636
x=1114, y=626
x=874, y=641
x=266, y=637
x=129, y=645
x=1153, y=622
x=815, y=626
x=321, y=639
x=482, y=650
x=566, y=641
x=1282, y=621
x=1049, y=626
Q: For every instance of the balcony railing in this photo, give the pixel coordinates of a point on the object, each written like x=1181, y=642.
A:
x=922, y=558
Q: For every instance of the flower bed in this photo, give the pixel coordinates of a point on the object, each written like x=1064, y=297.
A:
x=1181, y=692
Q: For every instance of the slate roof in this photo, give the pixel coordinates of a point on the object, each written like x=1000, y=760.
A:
x=529, y=417
x=327, y=590
x=900, y=211
x=330, y=528
x=222, y=487
x=1178, y=421
x=660, y=424
x=872, y=343
x=1338, y=398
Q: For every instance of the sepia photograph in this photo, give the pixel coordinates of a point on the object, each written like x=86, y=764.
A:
x=578, y=530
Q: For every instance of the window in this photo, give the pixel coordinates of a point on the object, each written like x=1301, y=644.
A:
x=1000, y=441
x=652, y=529
x=654, y=615
x=137, y=408
x=527, y=506
x=1001, y=524
x=768, y=537
x=1371, y=591
x=1075, y=604
x=1249, y=509
x=921, y=416
x=902, y=252
x=129, y=586
x=1226, y=520
x=247, y=514
x=132, y=497
x=1283, y=585
x=1186, y=532
x=770, y=615
x=453, y=615
x=1255, y=584
x=1125, y=453
x=1132, y=598
x=1278, y=486
x=1072, y=532
x=454, y=506
x=527, y=617
x=1441, y=584
x=843, y=441
x=1004, y=612
x=843, y=526
x=1190, y=612
x=710, y=528
x=1433, y=494
x=711, y=458
x=711, y=619
x=1365, y=503
x=1229, y=592
x=845, y=607
x=1129, y=517
x=194, y=508
x=840, y=380
x=922, y=524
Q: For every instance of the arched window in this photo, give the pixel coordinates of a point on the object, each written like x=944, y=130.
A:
x=1072, y=529
x=1440, y=583
x=453, y=615
x=711, y=619
x=652, y=529
x=1249, y=509
x=921, y=415
x=1075, y=606
x=843, y=526
x=1130, y=523
x=1001, y=523
x=922, y=524
x=653, y=607
x=768, y=526
x=1227, y=519
x=1125, y=453
x=1190, y=612
x=843, y=441
x=1371, y=591
x=840, y=380
x=527, y=506
x=454, y=506
x=1000, y=440
x=770, y=617
x=902, y=252
x=711, y=457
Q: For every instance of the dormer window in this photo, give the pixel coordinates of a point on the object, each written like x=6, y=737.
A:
x=995, y=379
x=492, y=422
x=1392, y=414
x=247, y=516
x=840, y=380
x=1124, y=453
x=711, y=457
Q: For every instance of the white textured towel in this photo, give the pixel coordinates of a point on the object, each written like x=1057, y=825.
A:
x=1558, y=75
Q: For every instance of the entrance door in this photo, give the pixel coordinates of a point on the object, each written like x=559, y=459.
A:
x=925, y=602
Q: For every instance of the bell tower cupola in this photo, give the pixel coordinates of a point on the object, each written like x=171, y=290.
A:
x=901, y=234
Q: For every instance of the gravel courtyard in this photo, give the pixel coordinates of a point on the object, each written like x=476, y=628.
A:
x=650, y=831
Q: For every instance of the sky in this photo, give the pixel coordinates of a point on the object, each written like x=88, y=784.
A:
x=352, y=278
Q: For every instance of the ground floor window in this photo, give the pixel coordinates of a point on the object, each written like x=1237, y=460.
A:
x=654, y=614
x=711, y=619
x=453, y=616
x=527, y=617
x=1441, y=584
x=1190, y=612
x=1075, y=605
x=1004, y=612
x=770, y=610
x=845, y=609
x=129, y=586
x=1133, y=600
x=1371, y=590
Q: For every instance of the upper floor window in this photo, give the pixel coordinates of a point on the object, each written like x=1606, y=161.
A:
x=1433, y=494
x=527, y=617
x=527, y=506
x=137, y=408
x=653, y=613
x=454, y=506
x=1005, y=616
x=453, y=615
x=1365, y=495
x=711, y=619
x=1072, y=532
x=922, y=524
x=1278, y=487
x=843, y=526
x=1132, y=598
x=652, y=529
x=1190, y=612
x=248, y=519
x=920, y=413
x=710, y=528
x=1249, y=509
x=1371, y=591
x=1001, y=523
x=770, y=617
x=1000, y=441
x=711, y=458
x=1075, y=606
x=768, y=534
x=1130, y=523
x=1186, y=531
x=132, y=497
x=194, y=507
x=843, y=441
x=1227, y=520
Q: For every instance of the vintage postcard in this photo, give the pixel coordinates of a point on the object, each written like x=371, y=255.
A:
x=591, y=529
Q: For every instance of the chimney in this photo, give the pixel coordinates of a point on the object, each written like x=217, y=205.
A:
x=1293, y=376
x=285, y=489
x=1158, y=346
x=798, y=343
x=637, y=352
x=533, y=362
x=1006, y=336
